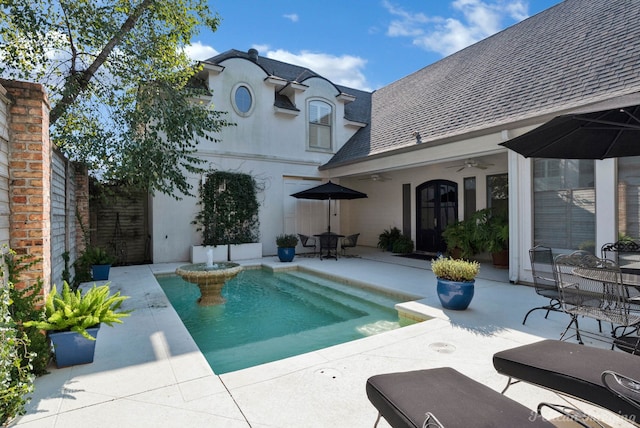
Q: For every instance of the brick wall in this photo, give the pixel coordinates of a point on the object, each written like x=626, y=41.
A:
x=29, y=177
x=29, y=169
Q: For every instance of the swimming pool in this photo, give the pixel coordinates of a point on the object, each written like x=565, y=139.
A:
x=273, y=315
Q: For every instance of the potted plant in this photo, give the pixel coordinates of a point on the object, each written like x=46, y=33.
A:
x=387, y=238
x=403, y=245
x=455, y=281
x=461, y=239
x=286, y=247
x=493, y=232
x=99, y=260
x=72, y=320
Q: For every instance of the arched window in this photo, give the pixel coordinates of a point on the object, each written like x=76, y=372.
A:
x=320, y=122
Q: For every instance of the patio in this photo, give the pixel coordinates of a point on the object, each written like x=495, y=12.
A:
x=149, y=373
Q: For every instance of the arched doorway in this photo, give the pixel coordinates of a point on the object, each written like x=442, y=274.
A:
x=437, y=207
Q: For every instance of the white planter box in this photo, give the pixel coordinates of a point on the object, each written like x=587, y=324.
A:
x=246, y=251
x=238, y=252
x=199, y=253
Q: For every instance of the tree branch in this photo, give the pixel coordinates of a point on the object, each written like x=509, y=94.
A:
x=78, y=83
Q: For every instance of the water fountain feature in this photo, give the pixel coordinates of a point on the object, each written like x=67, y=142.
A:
x=210, y=278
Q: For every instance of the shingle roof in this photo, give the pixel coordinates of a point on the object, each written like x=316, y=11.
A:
x=358, y=110
x=576, y=52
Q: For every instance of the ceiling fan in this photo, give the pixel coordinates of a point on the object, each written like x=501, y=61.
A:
x=471, y=163
x=376, y=177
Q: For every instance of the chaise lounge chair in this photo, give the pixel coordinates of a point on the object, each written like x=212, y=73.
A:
x=600, y=376
x=443, y=397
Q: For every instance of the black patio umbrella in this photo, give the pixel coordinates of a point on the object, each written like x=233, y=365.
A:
x=329, y=191
x=596, y=135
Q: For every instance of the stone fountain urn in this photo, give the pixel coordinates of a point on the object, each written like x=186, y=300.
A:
x=210, y=278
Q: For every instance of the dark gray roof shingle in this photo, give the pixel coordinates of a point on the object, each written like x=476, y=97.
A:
x=576, y=52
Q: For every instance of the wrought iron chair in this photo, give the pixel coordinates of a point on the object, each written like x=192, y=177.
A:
x=308, y=242
x=624, y=253
x=544, y=279
x=349, y=241
x=592, y=287
x=329, y=243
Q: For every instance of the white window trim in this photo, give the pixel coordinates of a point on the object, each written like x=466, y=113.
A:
x=233, y=99
x=332, y=126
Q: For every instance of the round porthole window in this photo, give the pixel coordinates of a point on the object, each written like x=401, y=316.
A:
x=242, y=100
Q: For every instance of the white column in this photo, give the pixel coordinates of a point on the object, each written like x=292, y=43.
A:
x=606, y=179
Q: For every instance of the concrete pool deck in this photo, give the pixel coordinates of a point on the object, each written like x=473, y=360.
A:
x=148, y=372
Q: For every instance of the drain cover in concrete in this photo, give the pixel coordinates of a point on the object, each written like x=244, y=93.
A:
x=442, y=347
x=330, y=373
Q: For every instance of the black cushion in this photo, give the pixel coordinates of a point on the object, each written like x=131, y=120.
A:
x=455, y=400
x=572, y=369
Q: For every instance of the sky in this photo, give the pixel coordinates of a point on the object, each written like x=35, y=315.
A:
x=362, y=44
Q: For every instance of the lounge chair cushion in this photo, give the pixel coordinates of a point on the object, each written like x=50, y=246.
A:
x=572, y=369
x=455, y=400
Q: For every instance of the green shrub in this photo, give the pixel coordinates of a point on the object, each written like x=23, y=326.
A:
x=230, y=209
x=388, y=237
x=16, y=379
x=402, y=245
x=25, y=303
x=97, y=256
x=286, y=241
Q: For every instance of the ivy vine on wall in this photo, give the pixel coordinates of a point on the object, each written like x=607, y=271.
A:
x=230, y=209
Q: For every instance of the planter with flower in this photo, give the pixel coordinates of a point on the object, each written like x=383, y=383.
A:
x=99, y=261
x=286, y=247
x=72, y=320
x=456, y=281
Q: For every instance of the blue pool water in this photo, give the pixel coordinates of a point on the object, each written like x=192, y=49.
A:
x=269, y=316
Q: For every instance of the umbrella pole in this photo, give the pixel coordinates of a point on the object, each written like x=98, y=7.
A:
x=329, y=216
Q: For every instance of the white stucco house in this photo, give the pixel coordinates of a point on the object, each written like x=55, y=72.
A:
x=426, y=148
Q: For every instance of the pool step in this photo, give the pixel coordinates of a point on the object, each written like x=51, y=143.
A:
x=378, y=327
x=276, y=348
x=346, y=290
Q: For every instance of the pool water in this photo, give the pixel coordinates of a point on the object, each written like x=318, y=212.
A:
x=269, y=316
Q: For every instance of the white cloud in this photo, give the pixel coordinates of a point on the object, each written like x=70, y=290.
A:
x=473, y=21
x=343, y=70
x=293, y=17
x=261, y=48
x=199, y=52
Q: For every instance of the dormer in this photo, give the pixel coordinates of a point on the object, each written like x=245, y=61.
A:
x=285, y=95
x=345, y=98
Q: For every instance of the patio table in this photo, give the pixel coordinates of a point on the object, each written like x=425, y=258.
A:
x=326, y=241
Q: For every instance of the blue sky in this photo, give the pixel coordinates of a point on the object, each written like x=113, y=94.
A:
x=364, y=44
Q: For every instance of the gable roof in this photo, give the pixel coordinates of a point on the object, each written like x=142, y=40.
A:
x=358, y=110
x=577, y=52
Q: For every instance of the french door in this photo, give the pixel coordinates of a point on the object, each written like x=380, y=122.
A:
x=437, y=206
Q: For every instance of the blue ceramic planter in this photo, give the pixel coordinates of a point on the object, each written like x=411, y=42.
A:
x=71, y=348
x=100, y=272
x=454, y=294
x=286, y=254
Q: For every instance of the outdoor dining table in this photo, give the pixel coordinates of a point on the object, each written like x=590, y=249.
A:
x=630, y=278
x=326, y=235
